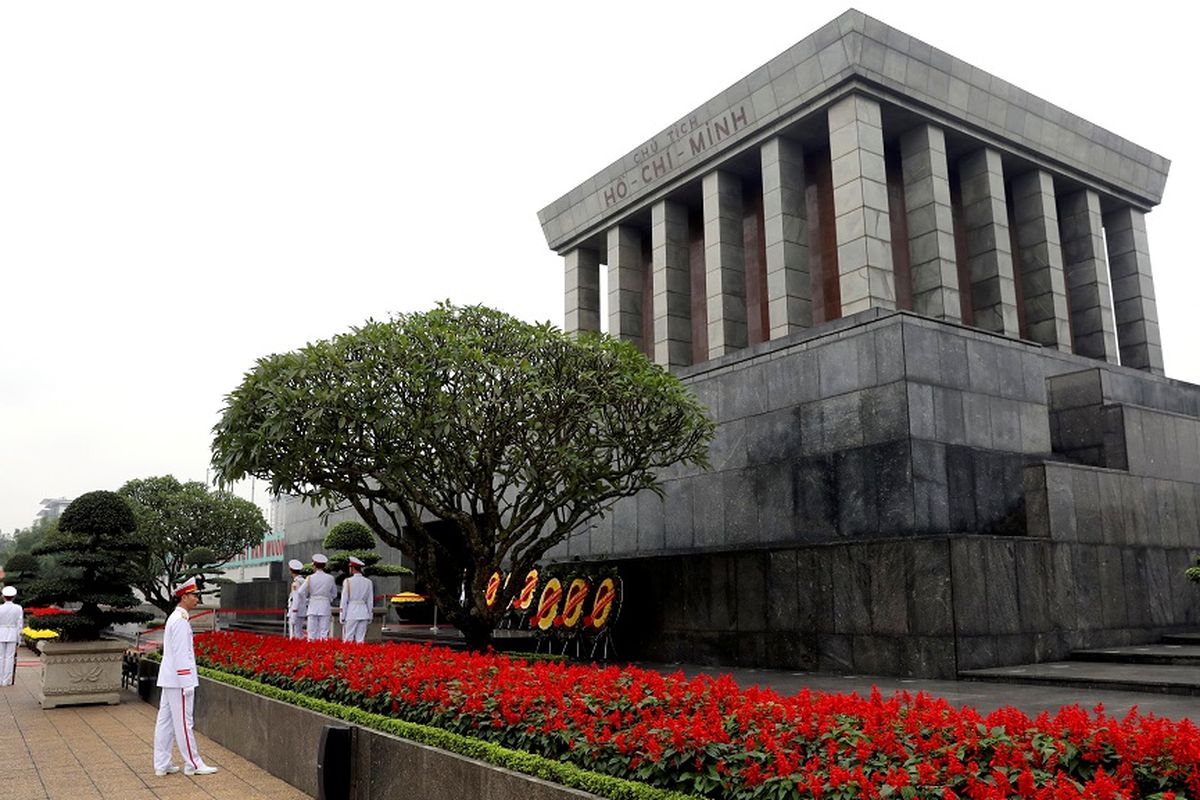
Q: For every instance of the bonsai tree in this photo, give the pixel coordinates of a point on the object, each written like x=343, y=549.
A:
x=97, y=555
x=354, y=538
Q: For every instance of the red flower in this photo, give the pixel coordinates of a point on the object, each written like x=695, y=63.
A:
x=748, y=744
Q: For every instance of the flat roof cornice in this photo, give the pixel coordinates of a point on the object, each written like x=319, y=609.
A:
x=858, y=49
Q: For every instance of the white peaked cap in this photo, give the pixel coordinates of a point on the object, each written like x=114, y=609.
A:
x=9, y=591
x=187, y=586
x=356, y=561
x=295, y=564
x=319, y=558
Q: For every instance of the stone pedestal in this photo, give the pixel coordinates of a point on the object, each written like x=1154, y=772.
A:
x=374, y=627
x=77, y=673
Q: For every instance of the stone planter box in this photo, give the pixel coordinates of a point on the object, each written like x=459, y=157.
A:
x=284, y=740
x=147, y=680
x=76, y=673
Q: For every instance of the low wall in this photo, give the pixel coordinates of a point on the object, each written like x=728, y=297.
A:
x=284, y=739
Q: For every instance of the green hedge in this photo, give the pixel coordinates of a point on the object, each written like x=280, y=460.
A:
x=515, y=760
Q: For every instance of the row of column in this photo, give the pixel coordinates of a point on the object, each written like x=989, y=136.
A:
x=1056, y=245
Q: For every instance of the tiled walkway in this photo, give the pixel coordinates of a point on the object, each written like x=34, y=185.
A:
x=84, y=752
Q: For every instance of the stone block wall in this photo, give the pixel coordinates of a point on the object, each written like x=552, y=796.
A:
x=882, y=607
x=255, y=594
x=918, y=606
x=896, y=495
x=888, y=424
x=1129, y=538
x=1146, y=427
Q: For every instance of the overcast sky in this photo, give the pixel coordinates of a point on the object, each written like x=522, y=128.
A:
x=186, y=187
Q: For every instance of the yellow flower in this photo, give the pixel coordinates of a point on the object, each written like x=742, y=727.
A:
x=37, y=633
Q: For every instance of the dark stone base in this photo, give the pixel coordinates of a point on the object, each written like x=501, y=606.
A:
x=918, y=606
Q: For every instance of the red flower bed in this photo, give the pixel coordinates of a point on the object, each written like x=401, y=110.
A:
x=710, y=737
x=46, y=611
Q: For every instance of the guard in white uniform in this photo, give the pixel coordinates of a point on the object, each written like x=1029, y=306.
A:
x=358, y=598
x=297, y=604
x=178, y=679
x=12, y=620
x=319, y=591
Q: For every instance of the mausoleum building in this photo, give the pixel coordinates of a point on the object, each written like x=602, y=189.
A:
x=918, y=302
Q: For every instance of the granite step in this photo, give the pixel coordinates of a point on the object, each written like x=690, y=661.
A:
x=1180, y=654
x=1134, y=677
x=268, y=626
x=1181, y=638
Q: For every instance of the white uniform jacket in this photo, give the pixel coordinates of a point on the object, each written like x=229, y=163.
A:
x=12, y=620
x=178, y=668
x=358, y=598
x=319, y=591
x=297, y=602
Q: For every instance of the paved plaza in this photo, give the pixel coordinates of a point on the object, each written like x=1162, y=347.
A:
x=102, y=751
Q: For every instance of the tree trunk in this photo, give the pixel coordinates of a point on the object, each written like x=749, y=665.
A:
x=476, y=632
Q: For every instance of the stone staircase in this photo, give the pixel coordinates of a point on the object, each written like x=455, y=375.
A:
x=1170, y=667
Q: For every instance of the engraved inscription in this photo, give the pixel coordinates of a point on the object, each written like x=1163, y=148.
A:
x=718, y=130
x=668, y=151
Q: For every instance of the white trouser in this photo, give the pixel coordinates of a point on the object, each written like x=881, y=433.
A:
x=174, y=726
x=318, y=626
x=355, y=630
x=295, y=625
x=8, y=658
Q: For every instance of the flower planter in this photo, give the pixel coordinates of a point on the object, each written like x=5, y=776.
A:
x=283, y=739
x=76, y=673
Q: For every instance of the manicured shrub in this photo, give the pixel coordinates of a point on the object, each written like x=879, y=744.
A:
x=349, y=535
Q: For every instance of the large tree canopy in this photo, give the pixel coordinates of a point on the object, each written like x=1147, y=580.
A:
x=486, y=439
x=174, y=519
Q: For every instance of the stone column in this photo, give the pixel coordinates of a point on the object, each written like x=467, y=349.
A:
x=582, y=290
x=785, y=227
x=1041, y=263
x=860, y=205
x=930, y=223
x=672, y=284
x=1135, y=308
x=989, y=248
x=1086, y=267
x=625, y=284
x=724, y=263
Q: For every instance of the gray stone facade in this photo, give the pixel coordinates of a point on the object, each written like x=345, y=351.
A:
x=857, y=51
x=926, y=327
x=979, y=167
x=890, y=494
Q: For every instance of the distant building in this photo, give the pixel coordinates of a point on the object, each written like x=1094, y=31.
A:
x=52, y=507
